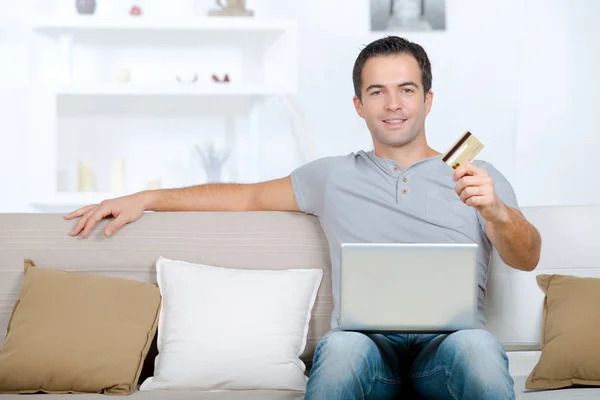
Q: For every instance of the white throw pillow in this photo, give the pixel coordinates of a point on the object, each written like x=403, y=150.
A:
x=232, y=329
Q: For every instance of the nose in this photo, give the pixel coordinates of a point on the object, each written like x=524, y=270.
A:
x=393, y=102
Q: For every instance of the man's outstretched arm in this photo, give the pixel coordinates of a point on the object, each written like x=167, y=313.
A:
x=518, y=242
x=273, y=195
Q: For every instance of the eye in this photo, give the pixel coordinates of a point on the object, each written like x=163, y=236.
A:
x=407, y=90
x=375, y=92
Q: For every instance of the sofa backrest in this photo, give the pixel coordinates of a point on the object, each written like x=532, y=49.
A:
x=255, y=240
x=279, y=240
x=570, y=246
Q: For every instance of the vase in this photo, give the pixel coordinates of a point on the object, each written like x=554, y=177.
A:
x=85, y=6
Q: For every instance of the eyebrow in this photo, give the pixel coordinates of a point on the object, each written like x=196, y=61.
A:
x=403, y=84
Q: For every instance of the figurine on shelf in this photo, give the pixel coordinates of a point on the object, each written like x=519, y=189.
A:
x=117, y=176
x=135, y=11
x=213, y=161
x=187, y=79
x=232, y=8
x=123, y=75
x=216, y=78
x=85, y=6
x=86, y=179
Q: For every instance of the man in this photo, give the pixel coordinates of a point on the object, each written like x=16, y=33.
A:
x=399, y=192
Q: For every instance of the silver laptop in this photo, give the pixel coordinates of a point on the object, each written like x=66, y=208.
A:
x=408, y=287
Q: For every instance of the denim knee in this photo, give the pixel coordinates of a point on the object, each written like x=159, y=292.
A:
x=343, y=355
x=479, y=364
x=350, y=365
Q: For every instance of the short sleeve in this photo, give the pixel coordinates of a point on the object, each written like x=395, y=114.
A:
x=503, y=188
x=309, y=182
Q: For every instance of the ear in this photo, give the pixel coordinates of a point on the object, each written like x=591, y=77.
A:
x=359, y=107
x=428, y=102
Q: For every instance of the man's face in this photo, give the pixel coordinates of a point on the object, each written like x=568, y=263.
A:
x=393, y=102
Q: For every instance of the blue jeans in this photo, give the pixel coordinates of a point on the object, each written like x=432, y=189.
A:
x=468, y=364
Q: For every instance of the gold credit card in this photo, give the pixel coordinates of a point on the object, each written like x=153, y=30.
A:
x=463, y=151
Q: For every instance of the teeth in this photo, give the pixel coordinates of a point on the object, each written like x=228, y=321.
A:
x=394, y=121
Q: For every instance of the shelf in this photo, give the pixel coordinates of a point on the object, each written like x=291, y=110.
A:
x=87, y=23
x=183, y=99
x=90, y=24
x=129, y=89
x=195, y=99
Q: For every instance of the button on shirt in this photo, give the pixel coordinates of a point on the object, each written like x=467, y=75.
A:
x=362, y=198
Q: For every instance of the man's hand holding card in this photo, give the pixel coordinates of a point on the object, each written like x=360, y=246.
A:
x=473, y=184
x=476, y=189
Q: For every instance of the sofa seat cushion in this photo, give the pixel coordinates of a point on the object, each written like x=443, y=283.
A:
x=520, y=365
x=579, y=393
x=522, y=362
x=174, y=395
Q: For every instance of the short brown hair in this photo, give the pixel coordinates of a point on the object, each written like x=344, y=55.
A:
x=387, y=46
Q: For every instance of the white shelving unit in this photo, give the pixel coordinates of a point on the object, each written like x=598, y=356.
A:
x=114, y=89
x=73, y=24
x=265, y=52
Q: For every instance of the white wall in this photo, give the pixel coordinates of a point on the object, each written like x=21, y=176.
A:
x=518, y=74
x=558, y=121
x=13, y=74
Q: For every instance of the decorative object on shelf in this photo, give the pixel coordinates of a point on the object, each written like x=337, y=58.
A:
x=408, y=15
x=153, y=184
x=85, y=6
x=232, y=8
x=117, y=176
x=135, y=11
x=187, y=79
x=123, y=75
x=86, y=179
x=216, y=78
x=213, y=161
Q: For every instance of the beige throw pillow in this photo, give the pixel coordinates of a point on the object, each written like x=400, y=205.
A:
x=78, y=333
x=570, y=334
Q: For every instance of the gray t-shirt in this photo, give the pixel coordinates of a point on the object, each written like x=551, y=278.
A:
x=362, y=198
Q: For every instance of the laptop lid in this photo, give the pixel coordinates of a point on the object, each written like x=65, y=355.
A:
x=408, y=287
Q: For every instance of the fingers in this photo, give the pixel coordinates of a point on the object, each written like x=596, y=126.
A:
x=115, y=225
x=469, y=192
x=88, y=211
x=472, y=181
x=475, y=201
x=79, y=212
x=125, y=210
x=480, y=201
x=468, y=169
x=99, y=213
x=466, y=181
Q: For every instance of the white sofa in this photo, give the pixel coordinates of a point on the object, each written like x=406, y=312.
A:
x=292, y=240
x=514, y=302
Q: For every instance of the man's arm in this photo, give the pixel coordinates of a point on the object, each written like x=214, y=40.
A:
x=517, y=241
x=274, y=195
x=271, y=195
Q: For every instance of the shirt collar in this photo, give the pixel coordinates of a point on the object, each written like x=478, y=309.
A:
x=425, y=165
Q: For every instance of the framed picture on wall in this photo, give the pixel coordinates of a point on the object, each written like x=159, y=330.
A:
x=408, y=15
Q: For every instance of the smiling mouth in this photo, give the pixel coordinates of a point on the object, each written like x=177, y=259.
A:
x=394, y=123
